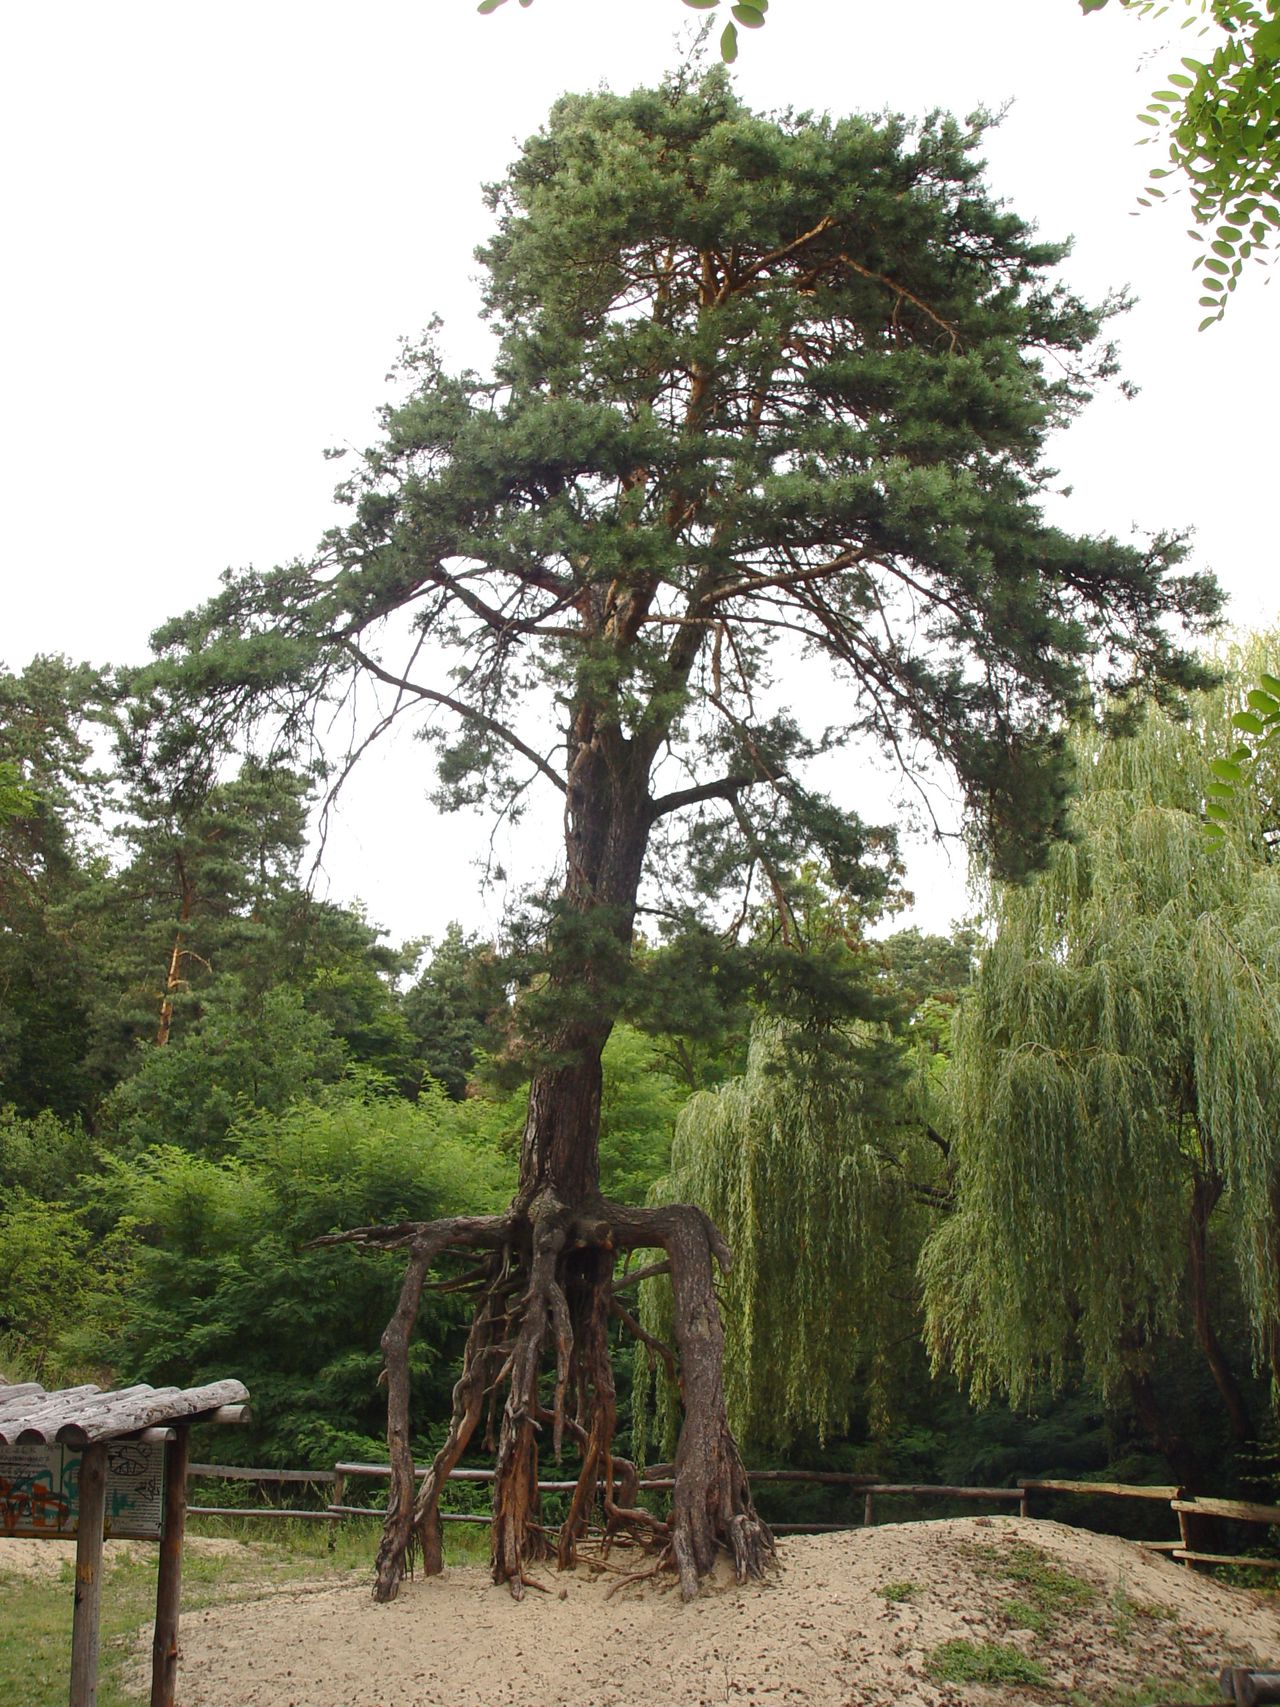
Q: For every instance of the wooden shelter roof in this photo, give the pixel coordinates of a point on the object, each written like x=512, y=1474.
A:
x=78, y=1416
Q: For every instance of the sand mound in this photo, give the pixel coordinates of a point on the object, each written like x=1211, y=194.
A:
x=1096, y=1614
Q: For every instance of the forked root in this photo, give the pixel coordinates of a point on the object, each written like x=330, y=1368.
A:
x=546, y=1301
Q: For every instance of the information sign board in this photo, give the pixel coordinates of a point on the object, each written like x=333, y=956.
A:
x=39, y=1489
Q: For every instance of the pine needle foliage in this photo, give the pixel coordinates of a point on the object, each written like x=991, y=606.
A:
x=1117, y=1064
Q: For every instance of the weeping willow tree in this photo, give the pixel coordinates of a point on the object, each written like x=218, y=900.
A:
x=1116, y=1088
x=824, y=1184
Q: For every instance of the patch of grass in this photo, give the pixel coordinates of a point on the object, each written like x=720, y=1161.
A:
x=1156, y=1611
x=35, y=1634
x=894, y=1592
x=1123, y=1613
x=35, y=1631
x=1150, y=1692
x=1021, y=1615
x=983, y=1662
x=1046, y=1591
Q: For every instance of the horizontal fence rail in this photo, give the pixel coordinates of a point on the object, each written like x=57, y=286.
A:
x=1185, y=1510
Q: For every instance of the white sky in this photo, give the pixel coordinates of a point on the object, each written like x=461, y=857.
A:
x=218, y=221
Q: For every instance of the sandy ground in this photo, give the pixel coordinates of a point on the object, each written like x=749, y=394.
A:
x=46, y=1558
x=821, y=1634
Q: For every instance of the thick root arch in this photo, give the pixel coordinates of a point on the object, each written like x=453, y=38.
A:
x=537, y=1370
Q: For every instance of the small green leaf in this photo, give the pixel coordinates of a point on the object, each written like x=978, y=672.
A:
x=702, y=5
x=1226, y=770
x=1270, y=683
x=750, y=17
x=1216, y=266
x=1209, y=320
x=1146, y=118
x=490, y=5
x=1215, y=813
x=1241, y=754
x=1221, y=791
x=1212, y=829
x=1249, y=723
x=1264, y=703
x=1087, y=6
x=1226, y=250
x=1229, y=234
x=729, y=44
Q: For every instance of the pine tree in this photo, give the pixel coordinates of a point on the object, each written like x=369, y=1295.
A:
x=765, y=387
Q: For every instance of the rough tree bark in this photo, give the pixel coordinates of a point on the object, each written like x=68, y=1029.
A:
x=536, y=1370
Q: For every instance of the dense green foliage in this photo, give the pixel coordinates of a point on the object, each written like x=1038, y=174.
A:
x=763, y=385
x=1115, y=1089
x=1221, y=120
x=788, y=1159
x=723, y=425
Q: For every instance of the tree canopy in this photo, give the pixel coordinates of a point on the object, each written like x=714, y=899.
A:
x=767, y=391
x=1114, y=1088
x=1221, y=120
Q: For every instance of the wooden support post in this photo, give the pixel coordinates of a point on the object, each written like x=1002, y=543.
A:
x=92, y=1503
x=867, y=1509
x=164, y=1646
x=1184, y=1530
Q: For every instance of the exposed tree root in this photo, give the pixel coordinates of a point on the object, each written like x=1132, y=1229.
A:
x=539, y=1348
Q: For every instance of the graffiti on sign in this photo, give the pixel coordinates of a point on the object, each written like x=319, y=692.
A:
x=40, y=1488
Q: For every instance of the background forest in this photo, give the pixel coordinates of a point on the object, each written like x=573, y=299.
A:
x=1038, y=1201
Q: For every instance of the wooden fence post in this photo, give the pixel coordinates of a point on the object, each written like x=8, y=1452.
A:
x=92, y=1502
x=164, y=1645
x=1184, y=1527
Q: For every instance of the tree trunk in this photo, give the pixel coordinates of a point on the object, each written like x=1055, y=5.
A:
x=1205, y=1193
x=173, y=977
x=539, y=1341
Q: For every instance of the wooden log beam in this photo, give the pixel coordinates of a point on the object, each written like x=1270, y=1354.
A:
x=268, y=1511
x=229, y=1414
x=1249, y=1688
x=931, y=1490
x=1244, y=1511
x=88, y=1606
x=336, y=1511
x=114, y=1414
x=242, y=1473
x=1121, y=1490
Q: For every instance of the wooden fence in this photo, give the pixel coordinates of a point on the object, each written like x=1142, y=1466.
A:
x=1184, y=1509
